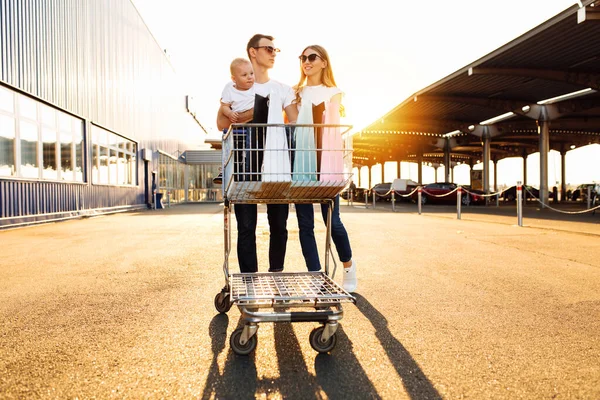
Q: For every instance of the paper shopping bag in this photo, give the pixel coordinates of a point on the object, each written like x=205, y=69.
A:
x=305, y=157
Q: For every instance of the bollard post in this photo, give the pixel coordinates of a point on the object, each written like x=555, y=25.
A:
x=393, y=200
x=366, y=199
x=519, y=204
x=589, y=197
x=374, y=194
x=497, y=199
x=168, y=199
x=458, y=202
x=419, y=199
x=154, y=195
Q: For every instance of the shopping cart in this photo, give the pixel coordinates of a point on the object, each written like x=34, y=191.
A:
x=266, y=163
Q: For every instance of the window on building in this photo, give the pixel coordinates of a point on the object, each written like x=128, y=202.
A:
x=7, y=134
x=28, y=134
x=103, y=170
x=71, y=147
x=7, y=101
x=66, y=155
x=49, y=165
x=38, y=141
x=171, y=178
x=200, y=183
x=114, y=158
x=95, y=163
x=7, y=146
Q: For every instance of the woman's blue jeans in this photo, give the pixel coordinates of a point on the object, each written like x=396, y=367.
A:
x=306, y=224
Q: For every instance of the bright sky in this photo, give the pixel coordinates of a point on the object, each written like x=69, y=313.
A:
x=381, y=51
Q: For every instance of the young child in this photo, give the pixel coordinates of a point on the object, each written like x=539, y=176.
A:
x=238, y=96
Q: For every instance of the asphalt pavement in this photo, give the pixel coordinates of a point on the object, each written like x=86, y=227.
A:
x=121, y=306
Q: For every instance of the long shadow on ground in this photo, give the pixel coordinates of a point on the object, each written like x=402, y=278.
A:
x=416, y=383
x=239, y=378
x=339, y=375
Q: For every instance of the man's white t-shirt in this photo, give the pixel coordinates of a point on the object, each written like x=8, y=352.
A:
x=239, y=100
x=283, y=91
x=318, y=94
x=242, y=100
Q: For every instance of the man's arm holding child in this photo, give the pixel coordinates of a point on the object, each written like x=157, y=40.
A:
x=226, y=116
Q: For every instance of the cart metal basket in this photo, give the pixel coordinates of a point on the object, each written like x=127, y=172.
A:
x=266, y=163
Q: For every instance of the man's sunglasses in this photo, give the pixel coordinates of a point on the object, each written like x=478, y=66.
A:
x=311, y=57
x=270, y=49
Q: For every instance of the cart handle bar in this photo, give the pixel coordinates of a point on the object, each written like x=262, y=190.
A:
x=252, y=125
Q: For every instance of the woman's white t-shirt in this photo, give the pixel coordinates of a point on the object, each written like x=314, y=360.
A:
x=318, y=94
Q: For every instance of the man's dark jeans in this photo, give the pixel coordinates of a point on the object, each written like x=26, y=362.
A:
x=246, y=217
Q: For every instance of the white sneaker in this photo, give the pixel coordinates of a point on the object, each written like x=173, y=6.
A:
x=350, y=281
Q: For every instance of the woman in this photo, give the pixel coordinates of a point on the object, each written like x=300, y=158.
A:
x=317, y=86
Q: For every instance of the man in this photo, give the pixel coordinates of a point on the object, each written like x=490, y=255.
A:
x=261, y=53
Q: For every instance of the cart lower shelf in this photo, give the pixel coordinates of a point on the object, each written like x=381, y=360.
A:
x=282, y=293
x=286, y=288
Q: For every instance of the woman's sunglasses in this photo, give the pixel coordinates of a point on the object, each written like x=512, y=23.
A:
x=270, y=49
x=311, y=57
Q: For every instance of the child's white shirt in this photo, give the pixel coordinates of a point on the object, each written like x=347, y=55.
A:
x=239, y=100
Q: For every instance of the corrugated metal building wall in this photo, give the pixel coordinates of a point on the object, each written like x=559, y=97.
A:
x=97, y=60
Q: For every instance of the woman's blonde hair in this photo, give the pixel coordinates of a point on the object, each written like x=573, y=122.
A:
x=327, y=78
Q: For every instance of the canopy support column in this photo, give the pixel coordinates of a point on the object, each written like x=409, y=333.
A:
x=471, y=172
x=420, y=165
x=447, y=162
x=399, y=169
x=544, y=133
x=524, y=169
x=495, y=175
x=563, y=175
x=486, y=163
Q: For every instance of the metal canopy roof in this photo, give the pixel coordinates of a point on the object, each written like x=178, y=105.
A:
x=558, y=57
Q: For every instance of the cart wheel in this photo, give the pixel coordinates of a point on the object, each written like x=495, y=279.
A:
x=315, y=340
x=222, y=303
x=237, y=347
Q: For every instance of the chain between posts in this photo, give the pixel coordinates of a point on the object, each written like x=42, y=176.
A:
x=393, y=193
x=459, y=189
x=440, y=195
x=562, y=211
